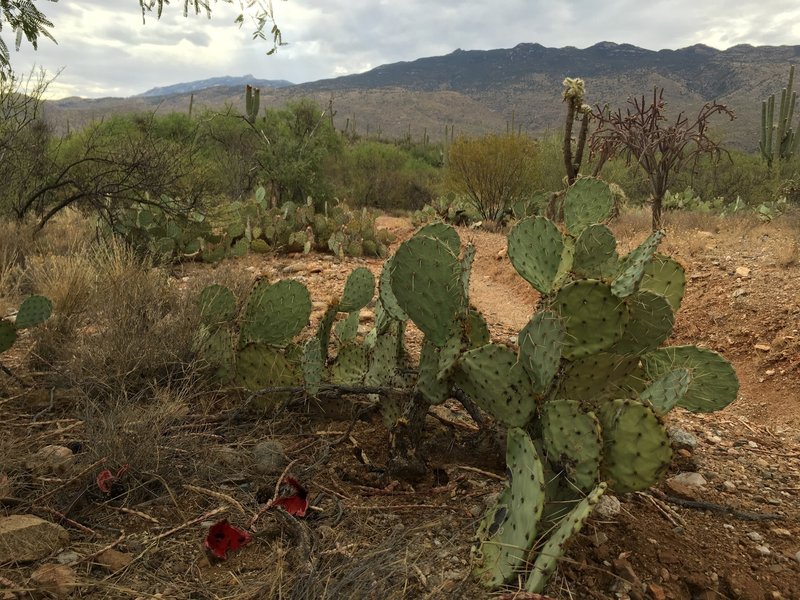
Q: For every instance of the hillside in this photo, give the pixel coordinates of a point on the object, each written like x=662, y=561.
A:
x=480, y=91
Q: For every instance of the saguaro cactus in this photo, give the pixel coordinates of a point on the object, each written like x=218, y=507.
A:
x=252, y=100
x=778, y=139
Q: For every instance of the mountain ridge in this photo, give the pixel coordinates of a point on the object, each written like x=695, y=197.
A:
x=481, y=91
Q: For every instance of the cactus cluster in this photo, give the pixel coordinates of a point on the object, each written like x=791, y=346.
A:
x=238, y=227
x=596, y=383
x=33, y=311
x=583, y=395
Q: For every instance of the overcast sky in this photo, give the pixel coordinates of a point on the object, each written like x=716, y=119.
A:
x=104, y=50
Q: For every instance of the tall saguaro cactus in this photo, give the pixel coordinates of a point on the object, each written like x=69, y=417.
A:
x=252, y=100
x=778, y=138
x=574, y=92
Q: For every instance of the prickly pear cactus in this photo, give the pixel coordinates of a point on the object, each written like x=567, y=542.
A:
x=33, y=311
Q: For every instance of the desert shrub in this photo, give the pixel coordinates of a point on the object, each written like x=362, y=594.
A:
x=134, y=327
x=492, y=172
x=383, y=175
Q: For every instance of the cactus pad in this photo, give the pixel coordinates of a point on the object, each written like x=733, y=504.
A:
x=435, y=390
x=714, y=384
x=495, y=381
x=634, y=264
x=358, y=290
x=637, y=448
x=595, y=253
x=217, y=349
x=509, y=529
x=217, y=304
x=476, y=329
x=426, y=280
x=535, y=247
x=350, y=365
x=8, y=335
x=666, y=391
x=586, y=378
x=259, y=366
x=572, y=441
x=276, y=313
x=466, y=268
x=586, y=202
x=665, y=276
x=594, y=318
x=346, y=329
x=33, y=311
x=650, y=323
x=549, y=554
x=443, y=232
x=540, y=344
x=386, y=295
x=312, y=365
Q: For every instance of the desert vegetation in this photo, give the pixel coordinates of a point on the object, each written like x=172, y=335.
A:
x=232, y=367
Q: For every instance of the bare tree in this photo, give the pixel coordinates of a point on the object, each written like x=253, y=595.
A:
x=643, y=135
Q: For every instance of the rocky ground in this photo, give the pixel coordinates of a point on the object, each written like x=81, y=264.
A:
x=725, y=524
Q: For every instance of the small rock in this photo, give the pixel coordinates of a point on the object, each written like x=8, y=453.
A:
x=755, y=536
x=742, y=272
x=25, y=538
x=729, y=486
x=114, y=560
x=763, y=550
x=713, y=439
x=68, y=557
x=598, y=538
x=762, y=347
x=57, y=580
x=502, y=254
x=797, y=556
x=739, y=292
x=607, y=507
x=686, y=485
x=780, y=532
x=51, y=460
x=297, y=267
x=728, y=526
x=656, y=592
x=315, y=268
x=682, y=439
x=269, y=457
x=691, y=479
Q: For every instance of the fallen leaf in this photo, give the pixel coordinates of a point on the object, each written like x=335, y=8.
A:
x=223, y=537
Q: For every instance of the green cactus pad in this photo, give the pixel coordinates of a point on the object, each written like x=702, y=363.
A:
x=443, y=232
x=217, y=304
x=350, y=365
x=476, y=330
x=33, y=311
x=274, y=314
x=585, y=379
x=549, y=554
x=495, y=381
x=593, y=317
x=667, y=391
x=535, y=247
x=324, y=328
x=595, y=253
x=509, y=529
x=572, y=441
x=259, y=366
x=346, y=329
x=466, y=268
x=8, y=335
x=383, y=359
x=449, y=354
x=586, y=202
x=665, y=276
x=634, y=264
x=259, y=246
x=650, y=323
x=358, y=290
x=433, y=389
x=540, y=343
x=637, y=450
x=714, y=384
x=386, y=295
x=216, y=348
x=426, y=282
x=312, y=365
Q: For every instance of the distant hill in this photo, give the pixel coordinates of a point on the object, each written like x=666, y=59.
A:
x=225, y=82
x=479, y=91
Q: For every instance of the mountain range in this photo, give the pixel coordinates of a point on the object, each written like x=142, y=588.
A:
x=479, y=91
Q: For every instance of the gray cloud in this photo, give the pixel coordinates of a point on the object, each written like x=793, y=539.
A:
x=106, y=50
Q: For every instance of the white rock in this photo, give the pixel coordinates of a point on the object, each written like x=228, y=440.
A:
x=763, y=550
x=689, y=479
x=607, y=507
x=742, y=272
x=51, y=460
x=755, y=536
x=57, y=580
